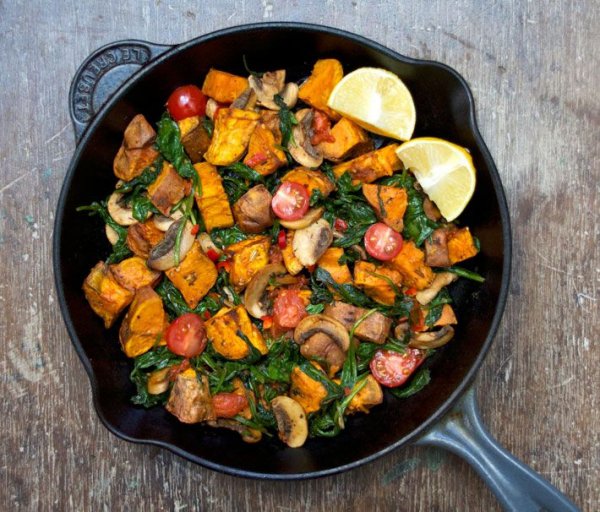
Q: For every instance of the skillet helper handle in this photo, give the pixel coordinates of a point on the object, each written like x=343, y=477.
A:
x=516, y=486
x=102, y=73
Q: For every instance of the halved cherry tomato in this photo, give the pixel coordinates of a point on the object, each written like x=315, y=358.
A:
x=228, y=405
x=213, y=255
x=282, y=239
x=288, y=309
x=186, y=101
x=382, y=242
x=291, y=201
x=340, y=225
x=392, y=369
x=186, y=336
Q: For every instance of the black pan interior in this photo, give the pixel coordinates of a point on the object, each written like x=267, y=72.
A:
x=444, y=109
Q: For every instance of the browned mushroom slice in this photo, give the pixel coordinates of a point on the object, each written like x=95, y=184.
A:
x=431, y=339
x=320, y=347
x=291, y=421
x=312, y=215
x=311, y=242
x=267, y=86
x=162, y=256
x=436, y=249
x=252, y=211
x=256, y=297
x=439, y=281
x=302, y=150
x=245, y=101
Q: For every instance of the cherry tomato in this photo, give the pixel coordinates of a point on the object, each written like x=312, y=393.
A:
x=340, y=225
x=228, y=405
x=382, y=242
x=288, y=309
x=186, y=336
x=392, y=369
x=186, y=101
x=213, y=255
x=291, y=201
x=282, y=239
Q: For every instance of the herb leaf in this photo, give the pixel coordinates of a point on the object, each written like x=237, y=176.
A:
x=168, y=142
x=287, y=120
x=416, y=384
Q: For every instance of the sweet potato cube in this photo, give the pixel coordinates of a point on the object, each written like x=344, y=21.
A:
x=325, y=75
x=222, y=86
x=133, y=273
x=447, y=316
x=330, y=261
x=264, y=154
x=105, y=295
x=136, y=152
x=230, y=331
x=311, y=180
x=144, y=323
x=247, y=258
x=461, y=245
x=168, y=189
x=410, y=262
x=308, y=392
x=141, y=237
x=350, y=140
x=194, y=276
x=389, y=204
x=291, y=263
x=378, y=282
x=194, y=137
x=213, y=202
x=190, y=399
x=231, y=135
x=369, y=396
x=371, y=166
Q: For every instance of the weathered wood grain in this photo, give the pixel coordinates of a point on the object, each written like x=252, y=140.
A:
x=533, y=69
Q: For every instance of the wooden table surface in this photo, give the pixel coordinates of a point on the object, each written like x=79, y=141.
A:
x=534, y=71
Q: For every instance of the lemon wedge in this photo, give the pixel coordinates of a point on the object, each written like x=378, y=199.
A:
x=444, y=170
x=377, y=100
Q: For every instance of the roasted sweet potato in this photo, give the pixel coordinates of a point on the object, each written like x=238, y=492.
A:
x=330, y=261
x=375, y=328
x=326, y=73
x=231, y=135
x=105, y=295
x=222, y=86
x=369, y=396
x=141, y=237
x=311, y=180
x=371, y=166
x=264, y=153
x=133, y=273
x=190, y=400
x=308, y=392
x=136, y=152
x=143, y=324
x=410, y=262
x=461, y=245
x=168, y=189
x=252, y=211
x=292, y=264
x=194, y=137
x=230, y=331
x=247, y=258
x=378, y=282
x=389, y=204
x=194, y=276
x=350, y=140
x=213, y=202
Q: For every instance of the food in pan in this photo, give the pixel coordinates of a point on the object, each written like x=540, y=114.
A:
x=279, y=258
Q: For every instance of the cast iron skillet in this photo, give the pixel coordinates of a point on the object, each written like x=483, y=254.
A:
x=129, y=77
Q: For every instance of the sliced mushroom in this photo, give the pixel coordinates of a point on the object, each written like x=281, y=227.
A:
x=119, y=211
x=158, y=381
x=211, y=108
x=401, y=330
x=320, y=347
x=164, y=223
x=255, y=296
x=267, y=86
x=303, y=151
x=311, y=242
x=315, y=324
x=440, y=280
x=312, y=215
x=246, y=101
x=111, y=234
x=291, y=421
x=162, y=255
x=289, y=95
x=431, y=339
x=207, y=244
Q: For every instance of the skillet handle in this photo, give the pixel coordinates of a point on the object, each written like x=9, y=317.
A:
x=102, y=73
x=517, y=486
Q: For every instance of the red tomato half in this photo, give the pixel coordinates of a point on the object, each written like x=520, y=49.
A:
x=186, y=101
x=186, y=336
x=228, y=405
x=382, y=242
x=392, y=369
x=288, y=309
x=291, y=201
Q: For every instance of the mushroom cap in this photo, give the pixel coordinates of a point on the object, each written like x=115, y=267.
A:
x=314, y=324
x=253, y=296
x=162, y=255
x=431, y=339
